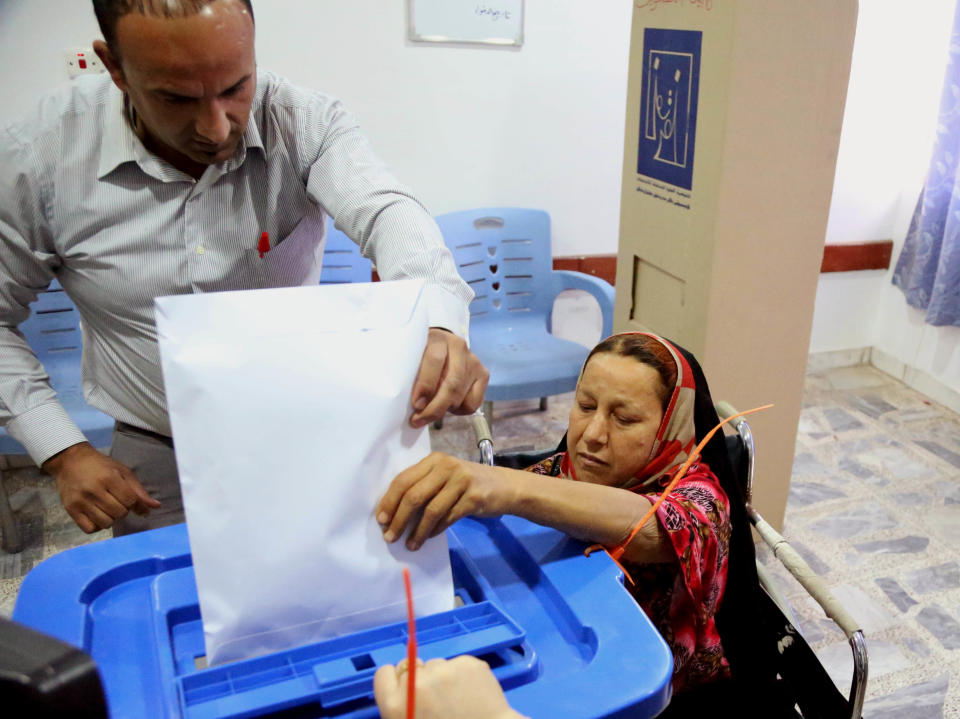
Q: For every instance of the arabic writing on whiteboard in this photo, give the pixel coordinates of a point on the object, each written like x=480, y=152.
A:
x=492, y=12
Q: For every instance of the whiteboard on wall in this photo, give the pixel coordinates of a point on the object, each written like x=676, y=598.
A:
x=492, y=22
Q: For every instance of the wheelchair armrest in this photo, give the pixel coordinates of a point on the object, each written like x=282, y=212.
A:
x=801, y=571
x=815, y=587
x=601, y=290
x=818, y=591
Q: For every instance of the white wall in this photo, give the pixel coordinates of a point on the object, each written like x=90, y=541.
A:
x=899, y=60
x=896, y=76
x=466, y=126
x=542, y=126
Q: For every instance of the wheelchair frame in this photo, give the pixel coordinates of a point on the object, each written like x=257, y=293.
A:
x=782, y=550
x=801, y=571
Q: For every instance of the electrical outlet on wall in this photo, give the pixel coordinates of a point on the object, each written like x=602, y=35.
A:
x=81, y=61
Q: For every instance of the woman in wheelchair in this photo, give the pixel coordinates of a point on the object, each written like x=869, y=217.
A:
x=631, y=428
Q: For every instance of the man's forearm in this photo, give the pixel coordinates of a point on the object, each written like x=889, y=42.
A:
x=29, y=407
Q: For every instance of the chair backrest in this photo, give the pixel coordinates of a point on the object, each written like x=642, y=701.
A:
x=503, y=253
x=342, y=261
x=53, y=332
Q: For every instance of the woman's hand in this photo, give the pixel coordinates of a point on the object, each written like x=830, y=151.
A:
x=436, y=492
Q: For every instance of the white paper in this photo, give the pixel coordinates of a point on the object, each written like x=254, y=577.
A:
x=289, y=412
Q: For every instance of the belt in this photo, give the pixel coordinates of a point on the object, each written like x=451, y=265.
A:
x=129, y=428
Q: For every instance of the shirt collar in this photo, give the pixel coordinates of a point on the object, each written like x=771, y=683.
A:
x=251, y=139
x=121, y=144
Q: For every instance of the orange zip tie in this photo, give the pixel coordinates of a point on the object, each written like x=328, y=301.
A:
x=618, y=551
x=411, y=646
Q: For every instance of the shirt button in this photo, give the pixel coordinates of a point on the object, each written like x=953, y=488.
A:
x=200, y=249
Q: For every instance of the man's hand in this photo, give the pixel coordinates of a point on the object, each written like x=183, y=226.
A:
x=461, y=688
x=450, y=378
x=95, y=489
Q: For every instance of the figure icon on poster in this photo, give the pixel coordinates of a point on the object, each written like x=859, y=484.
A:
x=668, y=115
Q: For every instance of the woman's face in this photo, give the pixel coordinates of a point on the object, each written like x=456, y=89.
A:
x=614, y=421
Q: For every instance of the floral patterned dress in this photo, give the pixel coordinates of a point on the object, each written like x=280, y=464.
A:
x=682, y=597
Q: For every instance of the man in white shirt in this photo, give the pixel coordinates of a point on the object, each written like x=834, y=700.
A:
x=189, y=172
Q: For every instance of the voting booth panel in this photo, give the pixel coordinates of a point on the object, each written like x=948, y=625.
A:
x=733, y=123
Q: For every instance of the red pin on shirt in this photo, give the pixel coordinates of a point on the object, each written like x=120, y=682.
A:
x=263, y=246
x=411, y=645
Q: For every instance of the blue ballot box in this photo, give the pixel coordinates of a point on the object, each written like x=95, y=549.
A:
x=559, y=630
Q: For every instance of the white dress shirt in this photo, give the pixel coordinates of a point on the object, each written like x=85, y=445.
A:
x=83, y=200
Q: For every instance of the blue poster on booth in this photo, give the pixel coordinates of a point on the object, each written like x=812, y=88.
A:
x=668, y=105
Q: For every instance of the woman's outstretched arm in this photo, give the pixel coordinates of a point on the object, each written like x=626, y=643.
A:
x=439, y=490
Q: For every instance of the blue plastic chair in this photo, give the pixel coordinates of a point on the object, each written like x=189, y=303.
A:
x=342, y=261
x=53, y=331
x=504, y=255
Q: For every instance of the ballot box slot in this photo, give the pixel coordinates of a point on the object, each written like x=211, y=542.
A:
x=340, y=671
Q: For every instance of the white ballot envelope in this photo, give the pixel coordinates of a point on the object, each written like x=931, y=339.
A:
x=289, y=409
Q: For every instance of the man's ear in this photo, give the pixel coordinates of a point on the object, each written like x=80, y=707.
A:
x=111, y=62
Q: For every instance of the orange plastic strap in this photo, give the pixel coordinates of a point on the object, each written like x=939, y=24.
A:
x=617, y=552
x=411, y=646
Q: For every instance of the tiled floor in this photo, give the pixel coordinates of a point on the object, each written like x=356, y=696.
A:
x=874, y=508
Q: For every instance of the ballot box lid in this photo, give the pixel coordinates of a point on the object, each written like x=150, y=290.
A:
x=559, y=629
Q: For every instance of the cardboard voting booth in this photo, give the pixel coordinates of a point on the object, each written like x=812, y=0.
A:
x=734, y=110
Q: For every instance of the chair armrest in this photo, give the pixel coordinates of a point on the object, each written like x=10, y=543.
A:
x=601, y=290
